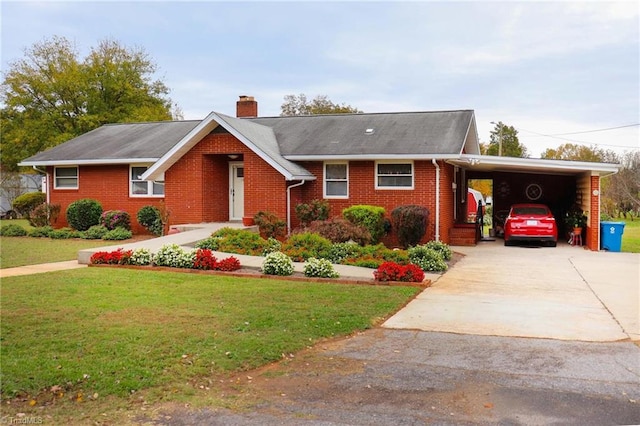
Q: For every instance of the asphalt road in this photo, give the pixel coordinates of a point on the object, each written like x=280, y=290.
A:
x=406, y=377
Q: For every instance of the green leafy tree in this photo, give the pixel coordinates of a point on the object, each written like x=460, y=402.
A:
x=575, y=152
x=51, y=95
x=621, y=191
x=504, y=142
x=300, y=105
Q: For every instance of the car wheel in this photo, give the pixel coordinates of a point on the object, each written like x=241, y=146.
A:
x=552, y=244
x=508, y=243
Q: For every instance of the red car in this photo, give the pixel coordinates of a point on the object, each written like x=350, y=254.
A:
x=530, y=222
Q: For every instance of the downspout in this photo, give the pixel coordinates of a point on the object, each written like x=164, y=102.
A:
x=48, y=192
x=289, y=203
x=435, y=163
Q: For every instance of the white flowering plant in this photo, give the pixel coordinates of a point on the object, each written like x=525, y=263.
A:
x=277, y=263
x=141, y=257
x=174, y=256
x=321, y=268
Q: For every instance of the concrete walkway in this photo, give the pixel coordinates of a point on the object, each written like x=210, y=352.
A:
x=565, y=293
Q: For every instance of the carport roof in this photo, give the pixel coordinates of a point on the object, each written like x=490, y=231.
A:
x=489, y=163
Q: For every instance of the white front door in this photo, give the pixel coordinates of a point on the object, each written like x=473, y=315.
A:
x=236, y=194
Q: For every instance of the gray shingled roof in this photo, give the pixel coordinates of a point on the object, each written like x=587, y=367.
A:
x=412, y=133
x=277, y=139
x=117, y=142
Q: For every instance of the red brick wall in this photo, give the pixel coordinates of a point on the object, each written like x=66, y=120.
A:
x=107, y=184
x=197, y=187
x=362, y=191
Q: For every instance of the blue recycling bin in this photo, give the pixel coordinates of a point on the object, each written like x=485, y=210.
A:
x=611, y=235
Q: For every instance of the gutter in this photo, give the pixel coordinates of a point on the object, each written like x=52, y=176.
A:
x=435, y=163
x=47, y=192
x=289, y=203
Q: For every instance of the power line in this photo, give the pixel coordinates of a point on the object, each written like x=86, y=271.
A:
x=586, y=131
x=556, y=136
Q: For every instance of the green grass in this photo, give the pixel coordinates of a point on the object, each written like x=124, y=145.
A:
x=20, y=251
x=116, y=331
x=631, y=236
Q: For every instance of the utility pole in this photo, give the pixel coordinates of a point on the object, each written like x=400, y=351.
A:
x=499, y=138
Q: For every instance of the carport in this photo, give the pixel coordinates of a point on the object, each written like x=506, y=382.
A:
x=559, y=184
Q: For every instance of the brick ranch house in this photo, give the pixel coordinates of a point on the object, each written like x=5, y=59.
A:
x=226, y=168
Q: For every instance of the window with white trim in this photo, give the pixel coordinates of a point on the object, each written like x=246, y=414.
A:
x=336, y=180
x=394, y=175
x=65, y=177
x=144, y=188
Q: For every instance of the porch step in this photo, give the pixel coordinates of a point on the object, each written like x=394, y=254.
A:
x=462, y=235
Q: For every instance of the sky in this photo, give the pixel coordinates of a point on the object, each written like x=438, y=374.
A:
x=559, y=72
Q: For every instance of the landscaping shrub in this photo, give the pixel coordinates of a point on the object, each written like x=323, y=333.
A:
x=427, y=259
x=113, y=219
x=440, y=247
x=25, y=203
x=313, y=211
x=117, y=234
x=229, y=264
x=271, y=246
x=277, y=263
x=410, y=223
x=374, y=256
x=305, y=245
x=12, y=230
x=149, y=217
x=83, y=214
x=340, y=251
x=96, y=232
x=141, y=257
x=174, y=256
x=369, y=217
x=242, y=242
x=41, y=232
x=210, y=243
x=339, y=230
x=270, y=225
x=321, y=268
x=64, y=234
x=391, y=271
x=116, y=257
x=44, y=215
x=204, y=259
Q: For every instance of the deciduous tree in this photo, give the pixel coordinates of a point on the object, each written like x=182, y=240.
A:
x=51, y=95
x=504, y=142
x=300, y=105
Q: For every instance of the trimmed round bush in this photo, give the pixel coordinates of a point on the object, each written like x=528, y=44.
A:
x=41, y=232
x=83, y=214
x=369, y=217
x=12, y=230
x=149, y=217
x=427, y=259
x=320, y=268
x=112, y=219
x=96, y=232
x=25, y=203
x=277, y=263
x=272, y=246
x=44, y=214
x=410, y=223
x=117, y=234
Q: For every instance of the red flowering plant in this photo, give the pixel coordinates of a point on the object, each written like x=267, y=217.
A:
x=391, y=271
x=229, y=264
x=205, y=260
x=117, y=257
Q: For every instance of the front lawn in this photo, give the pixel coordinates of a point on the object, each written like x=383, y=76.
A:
x=71, y=339
x=631, y=236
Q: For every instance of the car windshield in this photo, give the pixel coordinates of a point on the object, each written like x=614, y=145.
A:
x=530, y=210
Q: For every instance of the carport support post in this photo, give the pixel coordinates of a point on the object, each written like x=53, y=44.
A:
x=435, y=163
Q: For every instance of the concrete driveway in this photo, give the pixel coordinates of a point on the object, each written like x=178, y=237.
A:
x=565, y=293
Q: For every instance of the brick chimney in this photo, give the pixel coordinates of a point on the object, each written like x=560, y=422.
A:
x=247, y=106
